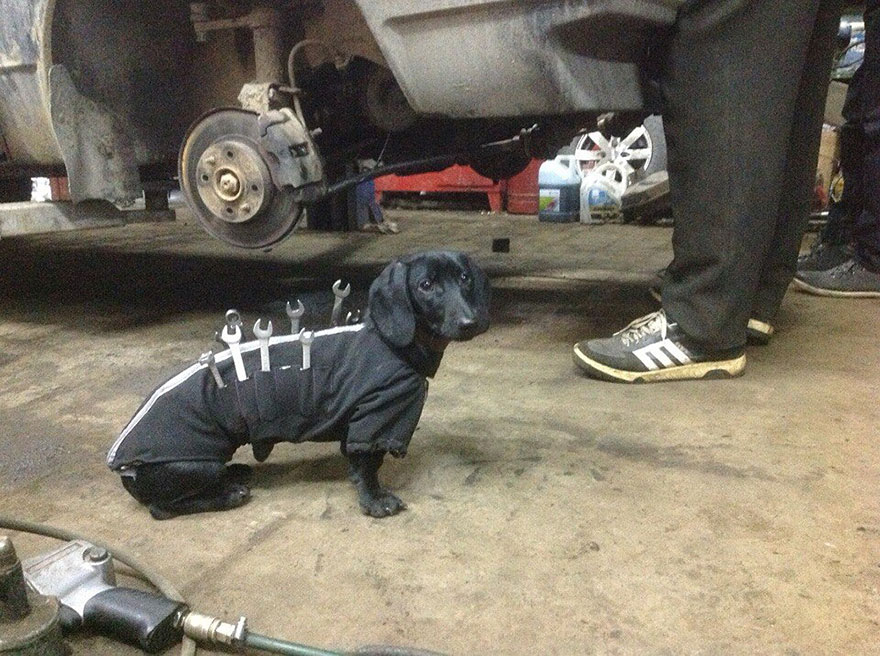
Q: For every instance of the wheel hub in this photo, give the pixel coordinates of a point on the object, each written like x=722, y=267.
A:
x=233, y=180
x=632, y=153
x=226, y=178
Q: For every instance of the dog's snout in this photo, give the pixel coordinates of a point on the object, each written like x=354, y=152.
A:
x=467, y=325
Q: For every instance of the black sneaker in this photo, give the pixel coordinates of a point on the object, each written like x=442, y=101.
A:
x=823, y=256
x=757, y=331
x=847, y=280
x=651, y=349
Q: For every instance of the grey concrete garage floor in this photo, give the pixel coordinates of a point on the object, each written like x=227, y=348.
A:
x=548, y=513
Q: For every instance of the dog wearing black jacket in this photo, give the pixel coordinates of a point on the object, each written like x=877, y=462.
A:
x=366, y=387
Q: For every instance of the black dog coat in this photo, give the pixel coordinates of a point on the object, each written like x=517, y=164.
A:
x=365, y=388
x=359, y=390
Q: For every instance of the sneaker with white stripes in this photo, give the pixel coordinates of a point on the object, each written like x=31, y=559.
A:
x=651, y=349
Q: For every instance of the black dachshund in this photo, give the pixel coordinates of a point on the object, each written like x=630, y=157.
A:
x=365, y=387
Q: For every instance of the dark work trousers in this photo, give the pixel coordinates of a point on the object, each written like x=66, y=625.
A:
x=744, y=90
x=856, y=218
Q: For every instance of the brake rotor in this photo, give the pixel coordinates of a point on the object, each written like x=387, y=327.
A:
x=226, y=181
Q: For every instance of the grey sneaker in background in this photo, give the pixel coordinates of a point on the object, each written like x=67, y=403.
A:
x=823, y=256
x=847, y=280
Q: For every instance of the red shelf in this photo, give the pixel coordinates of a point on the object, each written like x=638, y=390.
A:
x=519, y=194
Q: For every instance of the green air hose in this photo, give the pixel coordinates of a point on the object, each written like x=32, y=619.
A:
x=188, y=646
x=275, y=646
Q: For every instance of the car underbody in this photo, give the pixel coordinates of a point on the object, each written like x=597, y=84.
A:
x=260, y=109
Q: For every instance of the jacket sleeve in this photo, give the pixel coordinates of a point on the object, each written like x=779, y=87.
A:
x=385, y=419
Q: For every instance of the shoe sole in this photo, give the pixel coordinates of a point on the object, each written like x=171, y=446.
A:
x=833, y=293
x=716, y=369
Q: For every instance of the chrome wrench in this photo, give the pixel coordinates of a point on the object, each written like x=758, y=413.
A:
x=231, y=336
x=263, y=336
x=295, y=315
x=306, y=339
x=340, y=294
x=207, y=360
x=236, y=320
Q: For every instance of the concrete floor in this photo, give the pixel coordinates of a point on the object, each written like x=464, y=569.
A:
x=548, y=513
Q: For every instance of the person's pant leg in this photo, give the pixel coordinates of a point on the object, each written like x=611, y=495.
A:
x=866, y=231
x=799, y=173
x=839, y=229
x=732, y=78
x=870, y=87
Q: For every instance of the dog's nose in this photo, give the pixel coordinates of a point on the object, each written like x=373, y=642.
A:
x=467, y=326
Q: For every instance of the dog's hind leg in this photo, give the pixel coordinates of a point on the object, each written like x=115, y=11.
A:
x=363, y=469
x=182, y=488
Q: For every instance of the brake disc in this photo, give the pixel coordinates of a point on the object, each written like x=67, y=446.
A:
x=226, y=180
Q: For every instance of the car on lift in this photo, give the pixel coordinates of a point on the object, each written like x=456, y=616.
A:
x=259, y=109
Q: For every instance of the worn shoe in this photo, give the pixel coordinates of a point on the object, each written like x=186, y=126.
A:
x=823, y=256
x=651, y=349
x=847, y=280
x=757, y=332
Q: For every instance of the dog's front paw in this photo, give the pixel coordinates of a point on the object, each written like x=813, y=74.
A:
x=237, y=495
x=382, y=505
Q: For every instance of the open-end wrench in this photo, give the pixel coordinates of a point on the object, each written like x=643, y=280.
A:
x=235, y=318
x=306, y=339
x=231, y=336
x=263, y=336
x=295, y=315
x=340, y=294
x=207, y=360
x=353, y=318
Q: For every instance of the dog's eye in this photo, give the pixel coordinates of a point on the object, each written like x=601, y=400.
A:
x=465, y=276
x=426, y=285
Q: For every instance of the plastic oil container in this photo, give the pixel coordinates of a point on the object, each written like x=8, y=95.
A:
x=601, y=192
x=559, y=184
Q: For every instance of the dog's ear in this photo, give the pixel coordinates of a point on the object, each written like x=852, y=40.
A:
x=390, y=307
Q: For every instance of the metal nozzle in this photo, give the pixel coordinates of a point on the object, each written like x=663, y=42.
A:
x=213, y=630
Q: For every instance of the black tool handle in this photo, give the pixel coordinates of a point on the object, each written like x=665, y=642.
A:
x=134, y=616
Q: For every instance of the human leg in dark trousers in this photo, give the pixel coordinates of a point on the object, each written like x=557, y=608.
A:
x=731, y=85
x=834, y=245
x=866, y=231
x=799, y=171
x=858, y=276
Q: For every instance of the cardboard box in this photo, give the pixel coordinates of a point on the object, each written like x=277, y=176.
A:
x=829, y=156
x=834, y=103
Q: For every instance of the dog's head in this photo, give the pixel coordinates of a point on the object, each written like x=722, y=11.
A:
x=441, y=293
